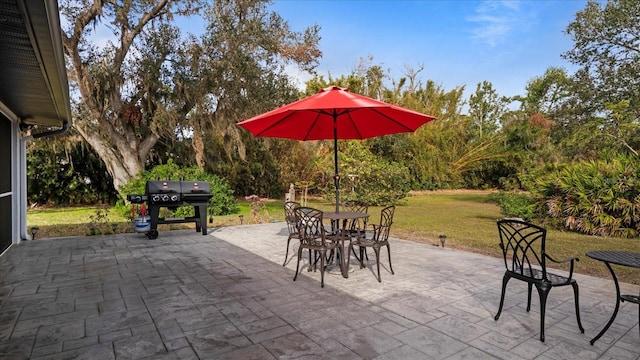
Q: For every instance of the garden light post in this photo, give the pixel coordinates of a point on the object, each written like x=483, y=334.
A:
x=443, y=238
x=34, y=231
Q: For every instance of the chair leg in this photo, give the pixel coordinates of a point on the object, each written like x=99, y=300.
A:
x=362, y=251
x=389, y=253
x=322, y=258
x=286, y=255
x=543, y=291
x=377, y=251
x=349, y=253
x=529, y=285
x=316, y=257
x=330, y=257
x=575, y=295
x=298, y=263
x=505, y=280
x=353, y=251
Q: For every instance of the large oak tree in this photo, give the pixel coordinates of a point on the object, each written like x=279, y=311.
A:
x=135, y=79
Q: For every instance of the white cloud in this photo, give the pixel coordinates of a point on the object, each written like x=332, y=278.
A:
x=496, y=20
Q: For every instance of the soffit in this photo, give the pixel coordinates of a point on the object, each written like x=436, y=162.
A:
x=33, y=79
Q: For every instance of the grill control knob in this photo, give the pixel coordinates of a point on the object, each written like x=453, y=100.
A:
x=165, y=197
x=155, y=198
x=174, y=197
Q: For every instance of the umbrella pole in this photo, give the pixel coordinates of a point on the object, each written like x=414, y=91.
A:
x=336, y=178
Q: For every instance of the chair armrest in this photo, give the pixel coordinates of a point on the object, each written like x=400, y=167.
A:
x=372, y=229
x=570, y=260
x=573, y=258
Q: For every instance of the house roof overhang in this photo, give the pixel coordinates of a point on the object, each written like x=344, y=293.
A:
x=33, y=78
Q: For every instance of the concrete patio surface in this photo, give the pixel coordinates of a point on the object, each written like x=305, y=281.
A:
x=227, y=296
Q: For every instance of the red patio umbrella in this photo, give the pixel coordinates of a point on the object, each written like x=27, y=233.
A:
x=335, y=113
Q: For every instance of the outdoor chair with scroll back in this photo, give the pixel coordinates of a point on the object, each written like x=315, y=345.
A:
x=523, y=248
x=375, y=238
x=355, y=227
x=292, y=226
x=313, y=237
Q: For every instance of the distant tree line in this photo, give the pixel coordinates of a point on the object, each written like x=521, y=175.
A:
x=152, y=95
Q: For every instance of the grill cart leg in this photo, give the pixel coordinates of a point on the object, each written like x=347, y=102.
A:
x=201, y=214
x=154, y=213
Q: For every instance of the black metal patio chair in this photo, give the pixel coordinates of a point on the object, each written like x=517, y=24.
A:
x=523, y=248
x=313, y=237
x=375, y=239
x=357, y=226
x=292, y=226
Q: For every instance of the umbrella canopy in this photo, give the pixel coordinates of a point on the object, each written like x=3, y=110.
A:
x=335, y=113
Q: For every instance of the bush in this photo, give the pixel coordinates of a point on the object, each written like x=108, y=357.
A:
x=600, y=197
x=368, y=178
x=513, y=204
x=222, y=203
x=71, y=174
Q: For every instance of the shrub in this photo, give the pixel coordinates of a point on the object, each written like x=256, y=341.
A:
x=598, y=197
x=367, y=177
x=222, y=203
x=259, y=211
x=513, y=204
x=67, y=174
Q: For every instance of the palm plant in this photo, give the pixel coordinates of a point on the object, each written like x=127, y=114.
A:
x=597, y=197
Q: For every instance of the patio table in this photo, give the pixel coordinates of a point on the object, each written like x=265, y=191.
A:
x=341, y=219
x=623, y=258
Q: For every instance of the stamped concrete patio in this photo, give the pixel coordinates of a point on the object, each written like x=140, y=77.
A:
x=227, y=296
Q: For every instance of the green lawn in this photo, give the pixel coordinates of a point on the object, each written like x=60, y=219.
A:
x=467, y=218
x=66, y=215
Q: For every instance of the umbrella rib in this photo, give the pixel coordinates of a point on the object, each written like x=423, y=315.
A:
x=313, y=123
x=273, y=125
x=408, y=129
x=347, y=113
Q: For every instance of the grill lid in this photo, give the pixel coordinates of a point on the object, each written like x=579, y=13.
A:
x=195, y=187
x=162, y=187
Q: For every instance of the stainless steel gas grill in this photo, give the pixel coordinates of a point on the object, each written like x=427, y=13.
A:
x=173, y=194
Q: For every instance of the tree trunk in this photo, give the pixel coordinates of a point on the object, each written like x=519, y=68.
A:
x=123, y=161
x=197, y=143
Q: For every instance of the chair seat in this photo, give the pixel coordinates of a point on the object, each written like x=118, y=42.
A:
x=369, y=242
x=536, y=274
x=329, y=245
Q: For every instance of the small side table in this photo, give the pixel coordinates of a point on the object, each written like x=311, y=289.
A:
x=623, y=258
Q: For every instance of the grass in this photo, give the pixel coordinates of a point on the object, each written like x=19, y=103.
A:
x=66, y=215
x=467, y=218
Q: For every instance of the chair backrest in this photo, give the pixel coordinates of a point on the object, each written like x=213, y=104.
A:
x=356, y=205
x=386, y=220
x=310, y=226
x=359, y=224
x=290, y=216
x=523, y=247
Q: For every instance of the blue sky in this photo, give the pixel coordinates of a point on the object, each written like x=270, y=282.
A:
x=459, y=42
